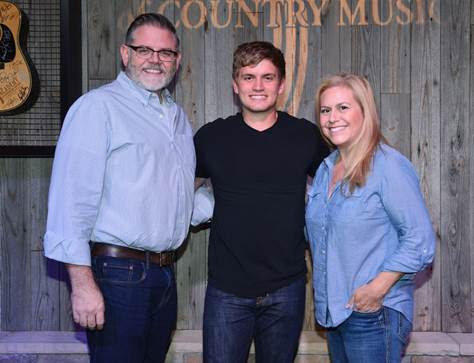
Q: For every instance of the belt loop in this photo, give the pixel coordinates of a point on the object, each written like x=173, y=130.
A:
x=147, y=259
x=162, y=263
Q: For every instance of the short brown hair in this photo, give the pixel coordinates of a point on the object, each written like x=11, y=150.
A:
x=252, y=53
x=154, y=19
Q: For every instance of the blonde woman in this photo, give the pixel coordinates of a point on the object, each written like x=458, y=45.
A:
x=369, y=229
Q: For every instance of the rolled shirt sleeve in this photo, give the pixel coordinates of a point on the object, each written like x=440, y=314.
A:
x=404, y=204
x=203, y=205
x=76, y=182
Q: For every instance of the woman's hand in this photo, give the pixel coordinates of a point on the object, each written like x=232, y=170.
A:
x=366, y=299
x=369, y=298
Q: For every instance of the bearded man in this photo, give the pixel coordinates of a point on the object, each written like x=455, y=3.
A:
x=121, y=199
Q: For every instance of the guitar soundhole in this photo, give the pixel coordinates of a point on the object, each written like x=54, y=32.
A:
x=7, y=45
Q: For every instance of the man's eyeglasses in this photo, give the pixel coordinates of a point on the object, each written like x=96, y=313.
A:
x=165, y=55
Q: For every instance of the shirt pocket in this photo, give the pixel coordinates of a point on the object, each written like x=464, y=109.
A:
x=349, y=206
x=315, y=212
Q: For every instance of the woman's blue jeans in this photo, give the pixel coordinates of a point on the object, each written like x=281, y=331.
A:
x=140, y=311
x=378, y=337
x=274, y=321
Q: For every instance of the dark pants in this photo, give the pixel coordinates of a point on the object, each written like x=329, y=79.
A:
x=140, y=311
x=274, y=321
x=378, y=337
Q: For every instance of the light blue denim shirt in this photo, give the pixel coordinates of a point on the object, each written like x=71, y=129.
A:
x=383, y=226
x=123, y=174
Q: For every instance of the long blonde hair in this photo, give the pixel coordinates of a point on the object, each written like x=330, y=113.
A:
x=357, y=165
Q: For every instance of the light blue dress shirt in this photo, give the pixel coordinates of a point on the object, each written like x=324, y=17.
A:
x=383, y=226
x=123, y=174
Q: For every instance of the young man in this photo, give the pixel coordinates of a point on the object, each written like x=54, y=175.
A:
x=123, y=179
x=258, y=162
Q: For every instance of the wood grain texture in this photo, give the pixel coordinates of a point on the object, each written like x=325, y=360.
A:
x=38, y=173
x=45, y=293
x=309, y=322
x=65, y=310
x=366, y=55
x=125, y=12
x=395, y=46
x=313, y=76
x=191, y=278
x=218, y=92
x=455, y=148
x=345, y=46
x=191, y=269
x=14, y=245
x=332, y=39
x=471, y=153
x=101, y=41
x=472, y=16
x=395, y=121
x=96, y=83
x=426, y=154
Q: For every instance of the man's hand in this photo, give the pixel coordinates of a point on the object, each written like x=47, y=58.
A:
x=198, y=182
x=369, y=298
x=87, y=300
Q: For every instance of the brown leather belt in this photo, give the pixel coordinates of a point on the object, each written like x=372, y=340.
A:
x=159, y=258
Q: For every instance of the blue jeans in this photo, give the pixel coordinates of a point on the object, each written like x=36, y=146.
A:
x=140, y=311
x=378, y=337
x=274, y=321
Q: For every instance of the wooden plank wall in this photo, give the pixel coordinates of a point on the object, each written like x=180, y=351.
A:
x=425, y=146
x=422, y=74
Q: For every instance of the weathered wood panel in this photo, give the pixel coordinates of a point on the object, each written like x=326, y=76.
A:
x=312, y=75
x=331, y=39
x=346, y=44
x=395, y=43
x=14, y=243
x=65, y=311
x=426, y=154
x=456, y=212
x=218, y=94
x=101, y=41
x=472, y=19
x=471, y=153
x=395, y=121
x=96, y=83
x=45, y=293
x=30, y=286
x=192, y=267
x=125, y=12
x=366, y=51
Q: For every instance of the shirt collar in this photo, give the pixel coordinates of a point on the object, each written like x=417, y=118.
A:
x=330, y=160
x=142, y=94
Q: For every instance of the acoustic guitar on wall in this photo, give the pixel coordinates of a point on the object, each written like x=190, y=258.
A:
x=15, y=74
